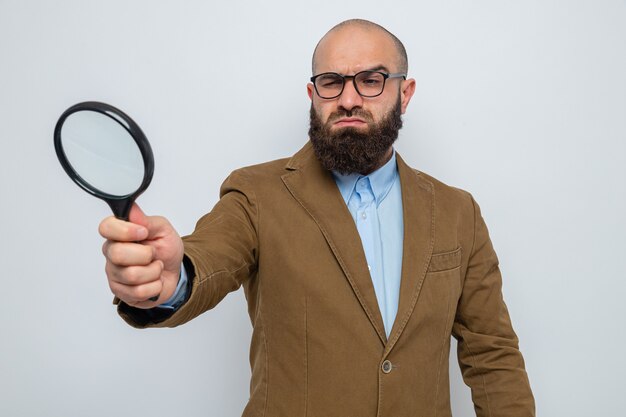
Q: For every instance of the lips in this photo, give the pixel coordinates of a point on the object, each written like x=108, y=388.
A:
x=350, y=121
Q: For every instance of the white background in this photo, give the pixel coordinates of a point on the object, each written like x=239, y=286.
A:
x=523, y=103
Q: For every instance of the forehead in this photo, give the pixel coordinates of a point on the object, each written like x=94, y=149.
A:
x=352, y=49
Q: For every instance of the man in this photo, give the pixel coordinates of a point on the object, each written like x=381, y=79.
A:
x=356, y=268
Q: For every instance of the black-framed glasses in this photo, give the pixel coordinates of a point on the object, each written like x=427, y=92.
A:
x=367, y=83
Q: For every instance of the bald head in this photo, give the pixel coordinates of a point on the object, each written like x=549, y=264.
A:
x=349, y=27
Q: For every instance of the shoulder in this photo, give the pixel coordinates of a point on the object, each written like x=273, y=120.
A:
x=265, y=169
x=444, y=194
x=255, y=179
x=453, y=206
x=265, y=176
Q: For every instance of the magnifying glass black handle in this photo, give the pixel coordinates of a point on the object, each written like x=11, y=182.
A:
x=121, y=207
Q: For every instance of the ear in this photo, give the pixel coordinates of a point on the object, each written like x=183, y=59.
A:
x=406, y=92
x=310, y=90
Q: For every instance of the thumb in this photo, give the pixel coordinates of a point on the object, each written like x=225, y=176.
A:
x=137, y=216
x=155, y=226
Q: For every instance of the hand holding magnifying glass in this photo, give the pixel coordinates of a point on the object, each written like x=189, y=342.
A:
x=105, y=153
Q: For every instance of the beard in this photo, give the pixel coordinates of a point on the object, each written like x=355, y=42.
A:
x=350, y=150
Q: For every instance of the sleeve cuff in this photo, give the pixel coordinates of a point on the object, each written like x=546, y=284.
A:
x=180, y=293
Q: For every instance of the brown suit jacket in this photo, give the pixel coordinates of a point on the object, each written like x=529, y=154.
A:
x=283, y=232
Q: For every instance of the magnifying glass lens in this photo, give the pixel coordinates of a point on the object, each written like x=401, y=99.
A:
x=105, y=152
x=102, y=152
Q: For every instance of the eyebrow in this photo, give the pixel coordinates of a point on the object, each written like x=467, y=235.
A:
x=375, y=68
x=378, y=68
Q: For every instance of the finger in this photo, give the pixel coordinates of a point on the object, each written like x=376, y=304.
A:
x=137, y=216
x=128, y=254
x=156, y=226
x=133, y=294
x=134, y=275
x=122, y=231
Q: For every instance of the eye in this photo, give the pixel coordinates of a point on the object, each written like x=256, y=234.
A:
x=370, y=79
x=329, y=81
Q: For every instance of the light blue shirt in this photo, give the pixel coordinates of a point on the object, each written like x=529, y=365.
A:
x=375, y=202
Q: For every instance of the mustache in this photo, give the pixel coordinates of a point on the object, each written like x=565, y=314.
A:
x=355, y=112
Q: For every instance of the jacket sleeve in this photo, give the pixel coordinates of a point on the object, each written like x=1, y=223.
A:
x=488, y=352
x=220, y=255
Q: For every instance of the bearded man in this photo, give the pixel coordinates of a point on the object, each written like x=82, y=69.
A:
x=356, y=268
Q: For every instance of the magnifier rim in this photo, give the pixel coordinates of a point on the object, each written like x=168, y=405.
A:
x=133, y=130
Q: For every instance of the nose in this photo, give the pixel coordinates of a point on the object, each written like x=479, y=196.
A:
x=349, y=98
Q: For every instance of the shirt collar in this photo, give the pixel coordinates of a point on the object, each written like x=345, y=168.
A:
x=380, y=180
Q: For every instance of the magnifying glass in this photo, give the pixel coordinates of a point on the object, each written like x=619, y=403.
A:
x=105, y=152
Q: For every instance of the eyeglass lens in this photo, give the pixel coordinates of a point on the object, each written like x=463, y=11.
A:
x=367, y=84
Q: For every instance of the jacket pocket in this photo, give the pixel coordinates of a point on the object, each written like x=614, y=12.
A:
x=445, y=261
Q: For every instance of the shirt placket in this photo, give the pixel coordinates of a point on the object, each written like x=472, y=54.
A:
x=367, y=226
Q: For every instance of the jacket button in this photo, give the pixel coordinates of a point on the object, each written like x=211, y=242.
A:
x=387, y=366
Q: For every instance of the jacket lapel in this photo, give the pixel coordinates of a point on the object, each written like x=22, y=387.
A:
x=419, y=237
x=315, y=189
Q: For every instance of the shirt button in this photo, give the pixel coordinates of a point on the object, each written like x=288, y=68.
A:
x=364, y=215
x=387, y=366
